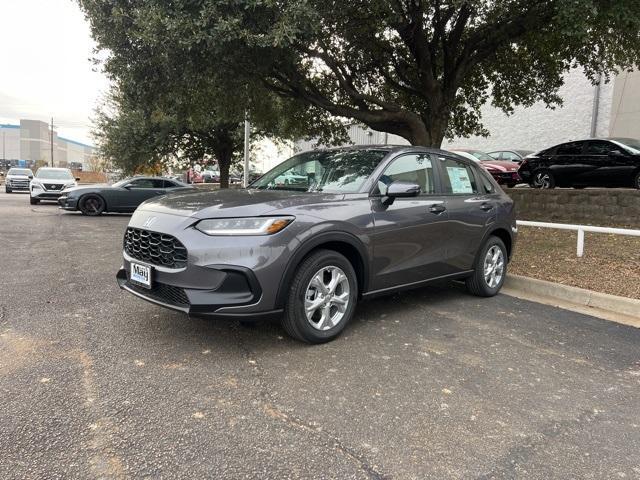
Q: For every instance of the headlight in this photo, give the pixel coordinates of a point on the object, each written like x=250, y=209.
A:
x=35, y=185
x=243, y=226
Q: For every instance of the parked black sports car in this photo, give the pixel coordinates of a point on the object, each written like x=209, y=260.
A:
x=605, y=162
x=123, y=196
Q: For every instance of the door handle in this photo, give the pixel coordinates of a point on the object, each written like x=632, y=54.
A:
x=486, y=207
x=437, y=209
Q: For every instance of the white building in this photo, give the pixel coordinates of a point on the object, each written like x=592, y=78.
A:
x=616, y=114
x=30, y=142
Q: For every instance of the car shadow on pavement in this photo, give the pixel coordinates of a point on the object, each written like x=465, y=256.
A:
x=370, y=315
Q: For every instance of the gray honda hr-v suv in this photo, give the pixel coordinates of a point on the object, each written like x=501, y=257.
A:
x=317, y=233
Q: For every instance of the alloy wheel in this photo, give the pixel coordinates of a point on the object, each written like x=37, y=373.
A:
x=542, y=180
x=494, y=266
x=326, y=298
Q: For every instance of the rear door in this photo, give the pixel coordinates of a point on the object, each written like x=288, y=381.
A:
x=410, y=234
x=471, y=209
x=569, y=164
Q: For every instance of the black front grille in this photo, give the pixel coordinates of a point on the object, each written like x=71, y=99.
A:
x=155, y=248
x=164, y=293
x=52, y=186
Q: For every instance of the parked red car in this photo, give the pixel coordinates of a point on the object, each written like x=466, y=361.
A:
x=504, y=172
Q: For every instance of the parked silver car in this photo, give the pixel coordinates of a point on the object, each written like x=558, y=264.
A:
x=365, y=221
x=49, y=183
x=18, y=179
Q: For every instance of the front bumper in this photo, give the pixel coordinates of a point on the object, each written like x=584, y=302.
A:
x=66, y=203
x=233, y=288
x=506, y=178
x=45, y=194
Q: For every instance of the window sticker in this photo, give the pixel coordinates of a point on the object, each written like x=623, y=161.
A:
x=459, y=179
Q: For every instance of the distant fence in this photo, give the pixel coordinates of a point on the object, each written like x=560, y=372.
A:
x=615, y=207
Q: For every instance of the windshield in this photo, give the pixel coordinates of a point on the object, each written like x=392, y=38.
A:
x=20, y=171
x=340, y=171
x=483, y=157
x=54, y=174
x=630, y=143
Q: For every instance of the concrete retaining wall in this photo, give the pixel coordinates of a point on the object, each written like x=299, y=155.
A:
x=602, y=207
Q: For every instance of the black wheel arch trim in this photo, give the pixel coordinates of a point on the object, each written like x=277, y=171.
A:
x=317, y=241
x=491, y=233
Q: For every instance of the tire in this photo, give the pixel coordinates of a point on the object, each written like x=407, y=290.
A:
x=328, y=319
x=636, y=182
x=7, y=190
x=478, y=283
x=543, y=179
x=511, y=185
x=33, y=201
x=92, y=205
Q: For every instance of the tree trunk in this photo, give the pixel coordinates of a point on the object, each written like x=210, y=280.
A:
x=224, y=162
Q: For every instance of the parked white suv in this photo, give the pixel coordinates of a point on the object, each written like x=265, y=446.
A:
x=49, y=183
x=18, y=179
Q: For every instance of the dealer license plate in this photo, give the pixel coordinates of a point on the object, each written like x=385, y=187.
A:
x=141, y=275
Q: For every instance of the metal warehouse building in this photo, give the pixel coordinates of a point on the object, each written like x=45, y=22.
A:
x=30, y=142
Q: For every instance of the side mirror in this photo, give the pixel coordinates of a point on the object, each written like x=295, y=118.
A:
x=77, y=179
x=616, y=153
x=127, y=186
x=30, y=177
x=402, y=189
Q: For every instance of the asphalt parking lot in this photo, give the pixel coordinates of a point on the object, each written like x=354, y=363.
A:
x=433, y=383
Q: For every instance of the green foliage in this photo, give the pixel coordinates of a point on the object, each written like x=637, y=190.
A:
x=420, y=69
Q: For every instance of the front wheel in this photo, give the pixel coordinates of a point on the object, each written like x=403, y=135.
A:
x=7, y=190
x=543, y=179
x=33, y=201
x=637, y=181
x=490, y=269
x=92, y=205
x=322, y=298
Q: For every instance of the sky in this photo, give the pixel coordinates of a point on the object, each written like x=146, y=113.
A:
x=45, y=67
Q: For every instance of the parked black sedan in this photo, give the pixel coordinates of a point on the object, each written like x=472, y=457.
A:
x=123, y=196
x=605, y=162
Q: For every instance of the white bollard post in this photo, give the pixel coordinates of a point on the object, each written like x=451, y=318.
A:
x=580, y=242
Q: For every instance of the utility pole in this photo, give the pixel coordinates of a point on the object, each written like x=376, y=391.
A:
x=247, y=128
x=52, y=141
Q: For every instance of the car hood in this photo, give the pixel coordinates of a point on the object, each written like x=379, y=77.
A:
x=55, y=181
x=500, y=165
x=87, y=187
x=233, y=202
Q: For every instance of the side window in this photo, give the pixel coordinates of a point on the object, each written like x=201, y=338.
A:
x=458, y=177
x=573, y=148
x=142, y=183
x=168, y=184
x=158, y=183
x=599, y=147
x=485, y=180
x=409, y=168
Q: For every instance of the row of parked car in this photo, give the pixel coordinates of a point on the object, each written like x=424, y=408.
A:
x=604, y=162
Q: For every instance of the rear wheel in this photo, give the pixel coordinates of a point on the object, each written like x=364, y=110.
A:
x=490, y=269
x=543, y=179
x=33, y=201
x=322, y=297
x=92, y=205
x=7, y=189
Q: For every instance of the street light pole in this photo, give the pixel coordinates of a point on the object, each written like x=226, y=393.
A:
x=52, y=141
x=247, y=128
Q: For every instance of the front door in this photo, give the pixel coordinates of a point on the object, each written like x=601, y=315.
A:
x=140, y=190
x=409, y=238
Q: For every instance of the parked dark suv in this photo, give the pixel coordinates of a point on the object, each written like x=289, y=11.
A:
x=607, y=162
x=360, y=222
